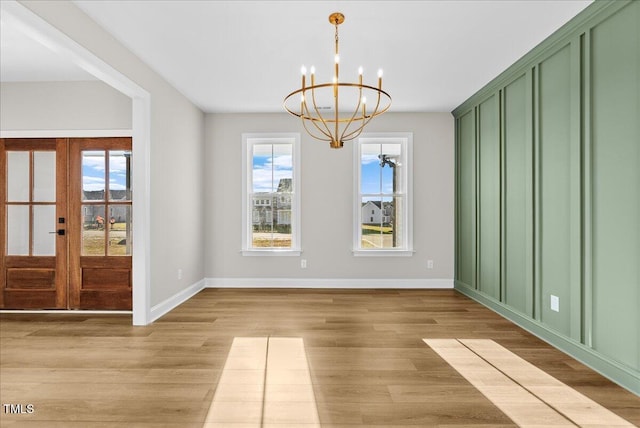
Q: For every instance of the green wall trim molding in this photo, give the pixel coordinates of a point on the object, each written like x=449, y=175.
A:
x=614, y=371
x=597, y=11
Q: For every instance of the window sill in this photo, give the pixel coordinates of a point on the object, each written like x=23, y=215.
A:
x=383, y=253
x=271, y=252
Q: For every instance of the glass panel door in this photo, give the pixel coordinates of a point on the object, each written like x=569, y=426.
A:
x=33, y=220
x=100, y=203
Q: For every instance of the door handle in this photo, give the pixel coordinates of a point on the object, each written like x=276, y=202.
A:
x=59, y=232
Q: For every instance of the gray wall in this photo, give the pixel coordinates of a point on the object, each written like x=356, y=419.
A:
x=63, y=106
x=327, y=201
x=176, y=179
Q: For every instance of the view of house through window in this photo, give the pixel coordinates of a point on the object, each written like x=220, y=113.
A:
x=271, y=198
x=382, y=213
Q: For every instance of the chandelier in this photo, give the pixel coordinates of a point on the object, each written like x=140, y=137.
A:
x=319, y=105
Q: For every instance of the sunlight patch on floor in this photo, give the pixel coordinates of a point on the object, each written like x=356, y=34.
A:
x=526, y=394
x=265, y=383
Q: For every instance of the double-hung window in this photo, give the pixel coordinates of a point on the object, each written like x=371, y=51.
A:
x=271, y=201
x=383, y=206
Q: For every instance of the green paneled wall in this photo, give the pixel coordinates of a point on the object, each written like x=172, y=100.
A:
x=547, y=191
x=466, y=227
x=518, y=195
x=615, y=185
x=558, y=197
x=489, y=197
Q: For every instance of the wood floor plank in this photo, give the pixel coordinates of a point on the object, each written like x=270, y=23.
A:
x=366, y=361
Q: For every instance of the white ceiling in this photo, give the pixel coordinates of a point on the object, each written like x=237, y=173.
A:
x=24, y=59
x=245, y=56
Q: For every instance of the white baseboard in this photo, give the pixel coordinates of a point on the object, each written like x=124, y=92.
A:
x=329, y=283
x=177, y=299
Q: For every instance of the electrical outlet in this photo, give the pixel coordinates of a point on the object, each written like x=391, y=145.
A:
x=555, y=303
x=179, y=273
x=303, y=263
x=429, y=264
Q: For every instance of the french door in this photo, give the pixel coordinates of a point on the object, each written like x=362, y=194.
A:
x=66, y=223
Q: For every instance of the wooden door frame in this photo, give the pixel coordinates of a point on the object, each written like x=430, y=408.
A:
x=76, y=53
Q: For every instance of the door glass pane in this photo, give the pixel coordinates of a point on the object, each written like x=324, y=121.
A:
x=18, y=176
x=44, y=221
x=44, y=176
x=93, y=175
x=119, y=230
x=119, y=175
x=18, y=230
x=93, y=230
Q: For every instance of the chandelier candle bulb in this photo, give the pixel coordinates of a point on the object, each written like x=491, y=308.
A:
x=344, y=123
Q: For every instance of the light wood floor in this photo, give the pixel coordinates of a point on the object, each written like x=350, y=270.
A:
x=367, y=360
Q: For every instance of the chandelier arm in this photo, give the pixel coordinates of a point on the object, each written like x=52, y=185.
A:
x=365, y=121
x=357, y=131
x=306, y=128
x=308, y=117
x=318, y=114
x=355, y=112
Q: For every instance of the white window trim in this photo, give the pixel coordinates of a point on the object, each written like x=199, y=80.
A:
x=406, y=139
x=248, y=140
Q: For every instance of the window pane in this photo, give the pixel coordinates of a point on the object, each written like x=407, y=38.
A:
x=262, y=220
x=270, y=196
x=18, y=176
x=370, y=169
x=93, y=175
x=397, y=223
x=382, y=193
x=371, y=227
x=387, y=227
x=44, y=176
x=283, y=168
x=44, y=222
x=262, y=168
x=271, y=216
x=272, y=168
x=119, y=229
x=119, y=175
x=387, y=173
x=93, y=230
x=17, y=230
x=282, y=220
x=389, y=160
